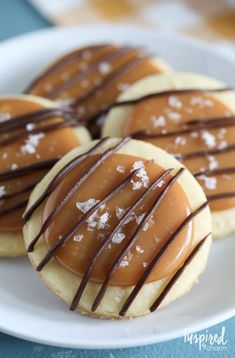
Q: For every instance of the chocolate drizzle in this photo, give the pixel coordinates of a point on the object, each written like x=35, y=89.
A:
x=109, y=236
x=59, y=177
x=109, y=57
x=156, y=259
x=83, y=218
x=191, y=126
x=73, y=190
x=15, y=128
x=168, y=93
x=202, y=124
x=129, y=58
x=177, y=275
x=160, y=195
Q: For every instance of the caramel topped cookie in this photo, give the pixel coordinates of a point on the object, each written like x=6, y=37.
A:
x=193, y=118
x=91, y=78
x=34, y=135
x=114, y=225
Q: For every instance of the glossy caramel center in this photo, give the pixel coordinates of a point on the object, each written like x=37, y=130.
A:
x=82, y=245
x=28, y=149
x=93, y=77
x=173, y=113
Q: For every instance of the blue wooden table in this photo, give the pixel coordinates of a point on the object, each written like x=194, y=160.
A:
x=16, y=17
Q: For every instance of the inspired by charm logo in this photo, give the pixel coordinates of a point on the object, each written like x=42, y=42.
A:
x=208, y=341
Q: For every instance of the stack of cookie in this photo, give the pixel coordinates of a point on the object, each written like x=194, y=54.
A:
x=117, y=169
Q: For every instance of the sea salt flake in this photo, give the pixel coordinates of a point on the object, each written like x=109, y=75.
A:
x=136, y=185
x=161, y=183
x=213, y=163
x=5, y=155
x=145, y=264
x=118, y=238
x=148, y=224
x=157, y=239
x=174, y=102
x=30, y=126
x=103, y=220
x=209, y=139
x=84, y=206
x=223, y=144
x=124, y=263
x=5, y=117
x=139, y=249
x=78, y=238
x=31, y=143
x=194, y=134
x=210, y=182
x=222, y=133
x=2, y=191
x=201, y=102
x=158, y=121
x=180, y=141
x=120, y=212
x=137, y=165
x=14, y=166
x=120, y=169
x=104, y=68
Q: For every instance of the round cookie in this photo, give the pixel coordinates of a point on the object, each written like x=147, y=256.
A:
x=90, y=78
x=33, y=135
x=118, y=228
x=191, y=116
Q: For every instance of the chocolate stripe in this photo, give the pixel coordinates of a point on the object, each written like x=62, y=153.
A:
x=157, y=257
x=204, y=153
x=133, y=239
x=67, y=59
x=177, y=275
x=112, y=77
x=108, y=57
x=149, y=134
x=16, y=206
x=59, y=176
x=28, y=169
x=211, y=121
x=44, y=129
x=220, y=196
x=109, y=236
x=169, y=93
x=33, y=117
x=85, y=217
x=104, y=156
x=29, y=187
x=230, y=170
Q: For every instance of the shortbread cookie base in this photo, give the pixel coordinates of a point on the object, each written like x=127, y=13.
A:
x=65, y=283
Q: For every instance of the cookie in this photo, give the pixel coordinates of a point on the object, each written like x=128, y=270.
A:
x=192, y=117
x=89, y=79
x=34, y=134
x=118, y=228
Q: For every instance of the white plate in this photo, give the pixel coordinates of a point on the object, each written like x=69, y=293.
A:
x=27, y=309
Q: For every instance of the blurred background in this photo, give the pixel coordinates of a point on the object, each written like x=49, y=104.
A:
x=211, y=20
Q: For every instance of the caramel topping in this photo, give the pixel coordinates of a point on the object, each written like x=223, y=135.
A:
x=77, y=251
x=90, y=79
x=105, y=230
x=31, y=141
x=199, y=130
